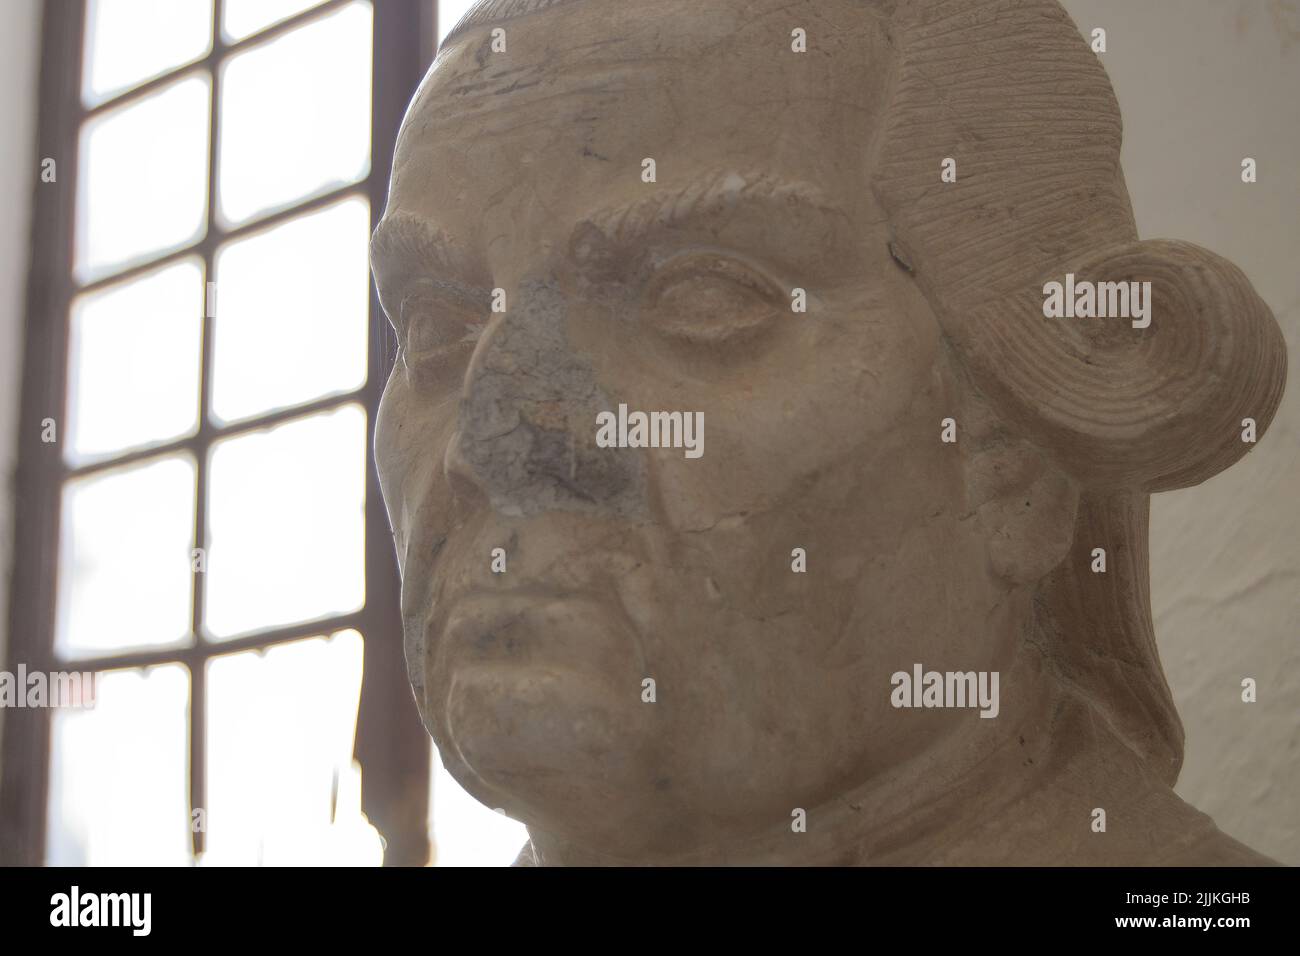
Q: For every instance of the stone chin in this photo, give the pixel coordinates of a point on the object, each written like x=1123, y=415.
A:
x=523, y=684
x=558, y=749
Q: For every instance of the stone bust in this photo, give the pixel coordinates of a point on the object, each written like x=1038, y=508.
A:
x=895, y=610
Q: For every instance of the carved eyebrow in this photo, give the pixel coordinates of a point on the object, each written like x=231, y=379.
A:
x=403, y=240
x=717, y=196
x=404, y=248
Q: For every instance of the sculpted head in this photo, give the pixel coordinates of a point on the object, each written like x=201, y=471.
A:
x=537, y=280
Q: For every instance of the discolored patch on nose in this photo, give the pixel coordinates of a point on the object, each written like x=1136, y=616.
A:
x=528, y=419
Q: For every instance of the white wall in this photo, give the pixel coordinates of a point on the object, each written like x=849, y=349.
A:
x=1203, y=84
x=19, y=52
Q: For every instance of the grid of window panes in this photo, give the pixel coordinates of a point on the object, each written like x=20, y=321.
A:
x=211, y=553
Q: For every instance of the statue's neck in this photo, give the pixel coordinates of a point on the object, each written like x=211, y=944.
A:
x=1026, y=791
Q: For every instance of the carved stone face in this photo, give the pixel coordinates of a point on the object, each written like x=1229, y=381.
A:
x=522, y=172
x=620, y=645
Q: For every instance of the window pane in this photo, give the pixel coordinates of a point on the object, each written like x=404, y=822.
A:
x=142, y=188
x=449, y=14
x=125, y=564
x=241, y=18
x=119, y=773
x=282, y=785
x=295, y=115
x=133, y=362
x=287, y=523
x=130, y=41
x=466, y=833
x=293, y=307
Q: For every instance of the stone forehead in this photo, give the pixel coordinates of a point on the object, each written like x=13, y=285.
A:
x=497, y=11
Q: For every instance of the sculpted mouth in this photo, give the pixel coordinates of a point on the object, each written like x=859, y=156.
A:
x=533, y=627
x=486, y=626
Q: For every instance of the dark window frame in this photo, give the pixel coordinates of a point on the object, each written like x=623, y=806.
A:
x=391, y=744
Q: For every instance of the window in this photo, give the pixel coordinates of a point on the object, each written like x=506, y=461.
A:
x=200, y=525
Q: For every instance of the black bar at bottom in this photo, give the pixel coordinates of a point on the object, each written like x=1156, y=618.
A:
x=619, y=907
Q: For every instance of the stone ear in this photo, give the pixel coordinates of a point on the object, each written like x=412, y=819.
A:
x=1119, y=406
x=1027, y=507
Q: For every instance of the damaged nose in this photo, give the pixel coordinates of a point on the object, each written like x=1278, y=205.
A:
x=528, y=419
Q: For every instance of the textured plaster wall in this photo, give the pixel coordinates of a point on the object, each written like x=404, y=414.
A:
x=19, y=49
x=1203, y=84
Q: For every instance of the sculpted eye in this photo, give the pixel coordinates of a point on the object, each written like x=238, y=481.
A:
x=710, y=298
x=436, y=330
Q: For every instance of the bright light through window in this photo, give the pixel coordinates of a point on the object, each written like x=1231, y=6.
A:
x=466, y=833
x=284, y=789
x=449, y=14
x=216, y=521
